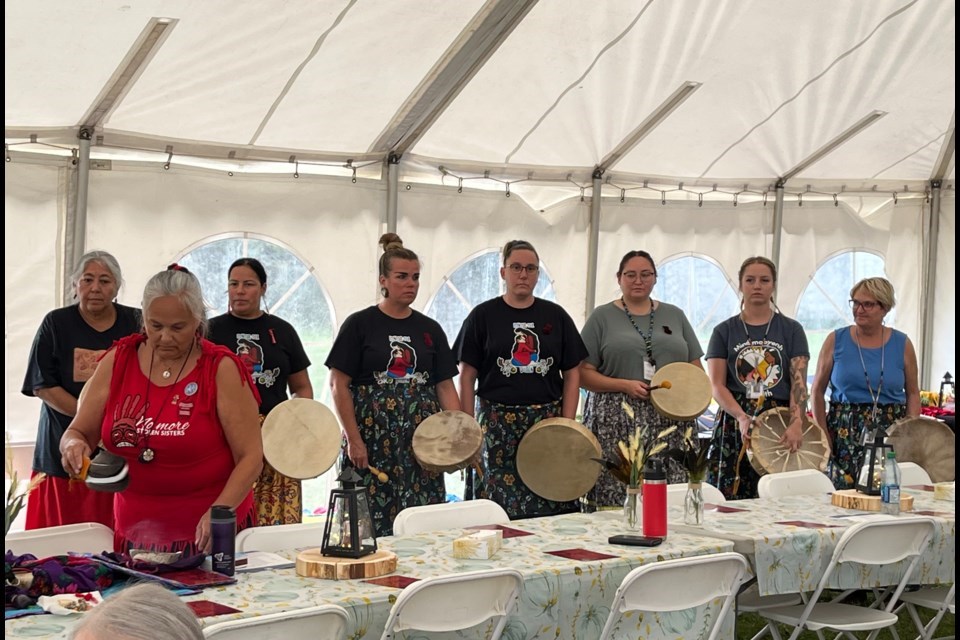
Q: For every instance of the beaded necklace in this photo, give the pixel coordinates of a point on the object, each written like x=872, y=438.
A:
x=148, y=454
x=875, y=397
x=647, y=339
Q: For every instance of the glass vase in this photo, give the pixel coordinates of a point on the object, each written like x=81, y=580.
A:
x=632, y=509
x=693, y=505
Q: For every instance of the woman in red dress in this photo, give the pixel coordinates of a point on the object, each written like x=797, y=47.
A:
x=182, y=412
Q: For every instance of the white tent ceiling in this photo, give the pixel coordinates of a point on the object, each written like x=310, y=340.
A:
x=524, y=89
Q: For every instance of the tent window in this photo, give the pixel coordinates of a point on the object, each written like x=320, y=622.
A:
x=295, y=294
x=699, y=286
x=823, y=306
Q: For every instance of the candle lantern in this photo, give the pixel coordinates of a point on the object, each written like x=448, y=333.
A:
x=947, y=382
x=871, y=466
x=349, y=529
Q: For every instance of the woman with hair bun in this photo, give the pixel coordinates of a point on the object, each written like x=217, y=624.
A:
x=391, y=367
x=182, y=412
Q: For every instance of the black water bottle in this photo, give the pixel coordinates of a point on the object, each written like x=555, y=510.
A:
x=223, y=535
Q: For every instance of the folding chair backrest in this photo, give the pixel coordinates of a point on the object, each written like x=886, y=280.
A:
x=456, y=602
x=883, y=542
x=84, y=537
x=677, y=493
x=326, y=622
x=794, y=483
x=682, y=583
x=912, y=473
x=281, y=537
x=449, y=515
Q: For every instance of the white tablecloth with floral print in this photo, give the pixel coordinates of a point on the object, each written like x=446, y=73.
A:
x=562, y=598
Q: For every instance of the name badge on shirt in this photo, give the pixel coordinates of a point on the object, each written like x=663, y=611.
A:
x=649, y=368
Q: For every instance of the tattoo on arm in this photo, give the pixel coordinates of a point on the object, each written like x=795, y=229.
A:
x=798, y=385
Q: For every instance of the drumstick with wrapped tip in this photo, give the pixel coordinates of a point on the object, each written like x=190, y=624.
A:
x=379, y=475
x=663, y=385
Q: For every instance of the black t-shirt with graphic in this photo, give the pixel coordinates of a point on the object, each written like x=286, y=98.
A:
x=373, y=348
x=519, y=353
x=270, y=348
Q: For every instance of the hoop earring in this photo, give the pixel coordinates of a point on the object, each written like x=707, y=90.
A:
x=384, y=292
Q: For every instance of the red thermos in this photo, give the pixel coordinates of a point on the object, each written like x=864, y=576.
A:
x=654, y=500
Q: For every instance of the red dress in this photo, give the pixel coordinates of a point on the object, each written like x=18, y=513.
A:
x=192, y=460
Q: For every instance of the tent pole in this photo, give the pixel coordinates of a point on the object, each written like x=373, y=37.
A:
x=393, y=175
x=929, y=286
x=593, y=241
x=76, y=225
x=777, y=225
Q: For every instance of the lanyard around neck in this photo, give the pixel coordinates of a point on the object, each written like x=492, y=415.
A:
x=647, y=338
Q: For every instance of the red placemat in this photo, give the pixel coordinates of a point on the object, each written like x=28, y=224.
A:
x=722, y=508
x=938, y=514
x=919, y=487
x=206, y=608
x=581, y=554
x=397, y=582
x=199, y=578
x=508, y=532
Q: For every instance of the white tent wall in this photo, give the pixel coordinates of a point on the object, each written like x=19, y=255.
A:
x=943, y=355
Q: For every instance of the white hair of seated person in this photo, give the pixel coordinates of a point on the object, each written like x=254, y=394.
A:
x=141, y=612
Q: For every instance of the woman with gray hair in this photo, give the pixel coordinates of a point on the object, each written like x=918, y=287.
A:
x=873, y=378
x=144, y=611
x=64, y=355
x=182, y=412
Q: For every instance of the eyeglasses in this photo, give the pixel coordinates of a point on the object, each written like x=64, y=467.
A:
x=529, y=268
x=633, y=275
x=868, y=305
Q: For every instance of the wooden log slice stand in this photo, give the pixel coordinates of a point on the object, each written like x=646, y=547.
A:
x=853, y=499
x=313, y=564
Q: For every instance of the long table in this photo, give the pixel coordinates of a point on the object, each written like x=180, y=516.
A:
x=562, y=598
x=790, y=558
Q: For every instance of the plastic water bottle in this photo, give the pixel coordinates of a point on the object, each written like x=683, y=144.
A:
x=223, y=535
x=890, y=485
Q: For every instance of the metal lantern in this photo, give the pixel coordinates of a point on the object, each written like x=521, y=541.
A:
x=349, y=530
x=947, y=382
x=871, y=466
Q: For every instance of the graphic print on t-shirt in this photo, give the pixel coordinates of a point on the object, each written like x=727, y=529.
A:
x=525, y=353
x=402, y=363
x=251, y=354
x=132, y=426
x=759, y=365
x=85, y=363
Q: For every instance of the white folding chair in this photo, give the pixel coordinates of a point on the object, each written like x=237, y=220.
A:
x=325, y=622
x=677, y=492
x=456, y=602
x=84, y=537
x=281, y=537
x=448, y=515
x=912, y=473
x=938, y=599
x=872, y=543
x=682, y=583
x=794, y=483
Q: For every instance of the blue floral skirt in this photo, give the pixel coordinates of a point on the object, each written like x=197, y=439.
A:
x=846, y=423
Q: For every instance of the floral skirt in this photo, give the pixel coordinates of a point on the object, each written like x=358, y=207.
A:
x=503, y=428
x=387, y=416
x=277, y=498
x=603, y=414
x=725, y=450
x=846, y=423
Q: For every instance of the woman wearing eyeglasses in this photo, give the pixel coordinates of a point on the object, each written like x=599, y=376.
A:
x=524, y=352
x=627, y=340
x=872, y=373
x=757, y=360
x=390, y=368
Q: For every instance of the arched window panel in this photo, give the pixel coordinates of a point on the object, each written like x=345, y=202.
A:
x=824, y=304
x=294, y=294
x=699, y=287
x=475, y=280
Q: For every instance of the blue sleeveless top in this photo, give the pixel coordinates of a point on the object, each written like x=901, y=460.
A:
x=847, y=383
